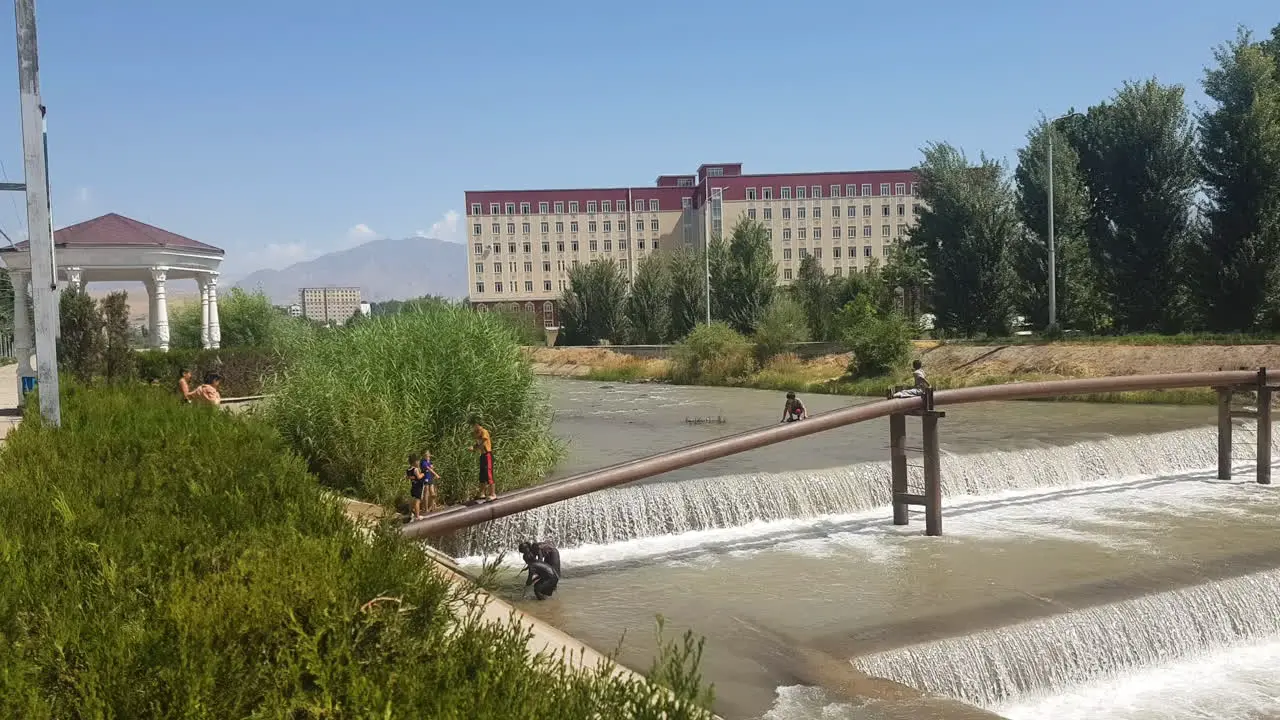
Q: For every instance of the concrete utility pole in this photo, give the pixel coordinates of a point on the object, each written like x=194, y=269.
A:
x=44, y=270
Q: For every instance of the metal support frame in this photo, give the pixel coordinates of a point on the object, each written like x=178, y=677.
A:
x=902, y=496
x=1264, y=428
x=898, y=466
x=1261, y=415
x=1224, y=433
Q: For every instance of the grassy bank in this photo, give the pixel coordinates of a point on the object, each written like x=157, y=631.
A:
x=164, y=561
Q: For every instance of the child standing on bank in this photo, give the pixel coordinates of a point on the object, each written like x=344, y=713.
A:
x=430, y=476
x=417, y=485
x=484, y=446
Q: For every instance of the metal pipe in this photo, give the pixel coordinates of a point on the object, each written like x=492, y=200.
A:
x=898, y=467
x=539, y=495
x=932, y=475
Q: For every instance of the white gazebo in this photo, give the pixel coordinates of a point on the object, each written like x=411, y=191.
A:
x=114, y=248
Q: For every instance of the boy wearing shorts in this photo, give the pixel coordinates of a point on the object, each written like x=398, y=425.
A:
x=484, y=447
x=417, y=485
x=429, y=478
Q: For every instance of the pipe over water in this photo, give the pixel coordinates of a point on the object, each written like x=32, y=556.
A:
x=528, y=498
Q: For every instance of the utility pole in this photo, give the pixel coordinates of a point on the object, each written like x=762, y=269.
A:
x=44, y=279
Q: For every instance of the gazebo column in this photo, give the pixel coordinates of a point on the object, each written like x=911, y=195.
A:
x=151, y=311
x=203, y=282
x=161, y=322
x=215, y=326
x=24, y=338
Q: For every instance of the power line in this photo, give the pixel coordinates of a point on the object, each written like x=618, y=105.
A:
x=13, y=203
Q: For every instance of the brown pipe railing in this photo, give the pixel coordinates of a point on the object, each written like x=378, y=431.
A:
x=528, y=498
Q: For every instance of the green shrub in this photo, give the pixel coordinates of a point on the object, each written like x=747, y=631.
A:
x=245, y=319
x=168, y=561
x=712, y=354
x=783, y=324
x=82, y=340
x=357, y=401
x=880, y=341
x=244, y=370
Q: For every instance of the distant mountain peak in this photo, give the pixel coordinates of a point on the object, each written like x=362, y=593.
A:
x=386, y=269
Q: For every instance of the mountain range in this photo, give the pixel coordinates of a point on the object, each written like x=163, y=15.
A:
x=386, y=269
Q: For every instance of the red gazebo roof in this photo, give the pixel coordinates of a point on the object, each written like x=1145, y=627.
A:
x=114, y=230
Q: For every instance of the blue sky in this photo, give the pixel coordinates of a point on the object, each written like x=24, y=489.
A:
x=279, y=130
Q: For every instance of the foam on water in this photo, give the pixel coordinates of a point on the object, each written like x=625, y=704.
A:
x=656, y=509
x=1049, y=655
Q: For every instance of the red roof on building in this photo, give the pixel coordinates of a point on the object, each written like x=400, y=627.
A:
x=114, y=230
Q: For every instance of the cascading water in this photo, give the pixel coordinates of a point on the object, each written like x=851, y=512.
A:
x=662, y=508
x=993, y=667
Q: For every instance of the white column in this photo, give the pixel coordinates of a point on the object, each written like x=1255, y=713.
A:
x=151, y=312
x=162, y=309
x=204, y=312
x=24, y=338
x=215, y=326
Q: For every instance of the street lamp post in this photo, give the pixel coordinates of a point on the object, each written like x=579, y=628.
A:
x=1053, y=251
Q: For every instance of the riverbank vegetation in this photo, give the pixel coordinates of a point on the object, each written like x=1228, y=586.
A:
x=1167, y=233
x=357, y=401
x=174, y=561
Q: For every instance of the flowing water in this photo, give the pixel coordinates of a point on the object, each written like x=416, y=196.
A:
x=1088, y=557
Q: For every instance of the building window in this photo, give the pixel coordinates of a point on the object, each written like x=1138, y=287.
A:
x=866, y=211
x=884, y=231
x=653, y=225
x=528, y=266
x=497, y=228
x=546, y=285
x=545, y=227
x=686, y=203
x=495, y=209
x=885, y=250
x=524, y=228
x=573, y=226
x=800, y=233
x=786, y=253
x=608, y=245
x=477, y=229
x=866, y=190
x=497, y=287
x=915, y=189
x=884, y=189
x=591, y=226
x=835, y=191
x=622, y=244
x=768, y=193
x=835, y=211
x=639, y=226
x=902, y=210
x=817, y=253
x=479, y=268
x=528, y=286
x=900, y=189
x=512, y=268
x=915, y=208
x=786, y=213
x=608, y=226
x=560, y=246
x=799, y=192
x=573, y=206
x=884, y=211
x=524, y=208
x=838, y=271
x=546, y=246
x=559, y=226
x=800, y=212
x=591, y=206
x=511, y=208
x=592, y=245
x=715, y=171
x=527, y=248
x=497, y=248
x=768, y=213
x=480, y=287
x=573, y=245
x=479, y=249
x=546, y=266
x=786, y=273
x=866, y=231
x=902, y=230
x=542, y=208
x=853, y=252
x=817, y=233
x=511, y=248
x=640, y=244
x=835, y=231
x=751, y=193
x=653, y=206
x=475, y=208
x=511, y=228
x=817, y=213
x=850, y=190
x=751, y=213
x=606, y=206
x=655, y=243
x=866, y=251
x=786, y=233
x=786, y=193
x=815, y=191
x=835, y=252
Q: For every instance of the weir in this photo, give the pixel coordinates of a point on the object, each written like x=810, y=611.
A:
x=992, y=668
x=522, y=500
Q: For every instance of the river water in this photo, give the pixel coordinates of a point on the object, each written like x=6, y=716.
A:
x=1091, y=566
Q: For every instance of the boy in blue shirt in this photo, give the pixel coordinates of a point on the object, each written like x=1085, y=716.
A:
x=429, y=477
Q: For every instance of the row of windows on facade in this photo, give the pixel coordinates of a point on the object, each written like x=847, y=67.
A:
x=477, y=228
x=562, y=265
x=653, y=205
x=548, y=309
x=816, y=213
x=592, y=244
x=803, y=233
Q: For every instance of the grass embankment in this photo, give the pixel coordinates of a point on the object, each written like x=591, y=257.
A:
x=168, y=561
x=957, y=365
x=357, y=402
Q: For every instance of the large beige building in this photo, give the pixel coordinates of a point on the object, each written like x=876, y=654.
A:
x=329, y=304
x=524, y=242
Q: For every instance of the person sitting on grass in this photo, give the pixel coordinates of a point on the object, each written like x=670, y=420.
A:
x=484, y=446
x=417, y=485
x=429, y=478
x=184, y=385
x=210, y=391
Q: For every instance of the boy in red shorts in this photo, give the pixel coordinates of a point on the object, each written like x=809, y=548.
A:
x=484, y=446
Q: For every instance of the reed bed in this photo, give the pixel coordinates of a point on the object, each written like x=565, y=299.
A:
x=357, y=402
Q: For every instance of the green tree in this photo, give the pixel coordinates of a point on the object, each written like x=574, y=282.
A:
x=1137, y=159
x=1078, y=303
x=880, y=341
x=712, y=354
x=593, y=304
x=1240, y=163
x=783, y=324
x=964, y=226
x=648, y=307
x=246, y=319
x=80, y=347
x=687, y=301
x=815, y=293
x=117, y=352
x=906, y=277
x=744, y=276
